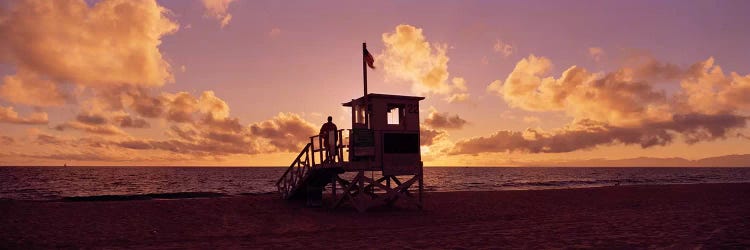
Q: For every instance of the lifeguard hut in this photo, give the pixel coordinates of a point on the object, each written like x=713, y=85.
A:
x=381, y=151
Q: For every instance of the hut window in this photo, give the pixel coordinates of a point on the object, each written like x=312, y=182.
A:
x=359, y=114
x=395, y=113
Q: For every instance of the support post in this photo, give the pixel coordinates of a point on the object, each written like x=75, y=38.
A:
x=421, y=184
x=333, y=189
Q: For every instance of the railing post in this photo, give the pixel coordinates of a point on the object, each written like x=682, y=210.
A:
x=340, y=145
x=322, y=148
x=312, y=150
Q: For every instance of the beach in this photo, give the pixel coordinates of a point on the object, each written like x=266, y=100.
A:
x=671, y=216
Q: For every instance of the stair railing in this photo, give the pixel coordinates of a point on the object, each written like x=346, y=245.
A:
x=295, y=173
x=306, y=161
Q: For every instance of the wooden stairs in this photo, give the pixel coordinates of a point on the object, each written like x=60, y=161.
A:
x=307, y=176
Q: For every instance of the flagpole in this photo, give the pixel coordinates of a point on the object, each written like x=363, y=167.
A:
x=364, y=66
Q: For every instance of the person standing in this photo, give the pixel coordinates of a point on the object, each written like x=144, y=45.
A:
x=329, y=133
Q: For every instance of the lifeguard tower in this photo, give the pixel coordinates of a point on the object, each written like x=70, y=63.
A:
x=381, y=151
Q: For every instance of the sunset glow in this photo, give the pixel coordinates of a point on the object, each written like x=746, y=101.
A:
x=245, y=83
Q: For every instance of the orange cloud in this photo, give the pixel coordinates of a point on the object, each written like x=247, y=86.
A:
x=101, y=129
x=218, y=9
x=127, y=121
x=618, y=107
x=8, y=115
x=128, y=93
x=623, y=97
x=91, y=119
x=408, y=56
x=596, y=53
x=531, y=119
x=708, y=90
x=30, y=89
x=503, y=48
x=460, y=91
x=112, y=43
x=43, y=139
x=120, y=119
x=181, y=107
x=286, y=132
x=7, y=140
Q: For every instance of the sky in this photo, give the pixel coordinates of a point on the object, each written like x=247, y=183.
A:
x=245, y=83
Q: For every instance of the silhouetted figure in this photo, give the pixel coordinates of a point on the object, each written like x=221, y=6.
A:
x=329, y=134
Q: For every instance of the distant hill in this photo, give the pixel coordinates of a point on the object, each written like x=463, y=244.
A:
x=725, y=161
x=719, y=161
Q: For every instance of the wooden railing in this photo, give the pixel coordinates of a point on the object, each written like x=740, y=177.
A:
x=322, y=151
x=296, y=172
x=306, y=161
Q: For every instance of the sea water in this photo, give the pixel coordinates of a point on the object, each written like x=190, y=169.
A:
x=54, y=183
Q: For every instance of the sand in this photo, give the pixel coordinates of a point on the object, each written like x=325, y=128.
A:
x=671, y=216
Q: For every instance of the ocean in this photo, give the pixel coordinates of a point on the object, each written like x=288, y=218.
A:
x=61, y=183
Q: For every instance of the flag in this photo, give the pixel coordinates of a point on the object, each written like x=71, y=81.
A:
x=368, y=58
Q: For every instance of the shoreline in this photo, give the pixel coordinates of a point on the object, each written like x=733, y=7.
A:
x=674, y=216
x=210, y=195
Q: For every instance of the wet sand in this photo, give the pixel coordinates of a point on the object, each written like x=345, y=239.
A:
x=672, y=216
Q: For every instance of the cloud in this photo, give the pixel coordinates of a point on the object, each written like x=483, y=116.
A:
x=7, y=140
x=144, y=103
x=439, y=120
x=408, y=56
x=30, y=89
x=218, y=9
x=622, y=106
x=43, y=139
x=111, y=56
x=503, y=48
x=8, y=115
x=199, y=125
x=286, y=131
x=101, y=129
x=596, y=53
x=77, y=156
x=215, y=108
x=121, y=119
x=706, y=89
x=429, y=136
x=622, y=97
x=91, y=119
x=587, y=134
x=130, y=122
x=182, y=105
x=461, y=94
x=626, y=96
x=112, y=43
x=458, y=98
x=531, y=119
